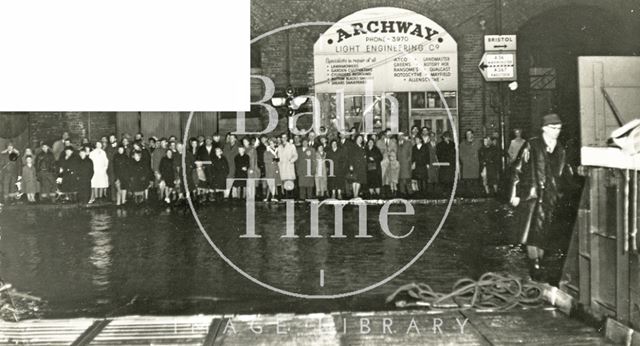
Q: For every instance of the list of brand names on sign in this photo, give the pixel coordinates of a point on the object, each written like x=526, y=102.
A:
x=438, y=68
x=403, y=69
x=348, y=71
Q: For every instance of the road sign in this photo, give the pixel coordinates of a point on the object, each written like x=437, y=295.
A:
x=499, y=42
x=498, y=66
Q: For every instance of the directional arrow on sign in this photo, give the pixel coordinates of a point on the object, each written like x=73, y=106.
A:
x=498, y=66
x=499, y=42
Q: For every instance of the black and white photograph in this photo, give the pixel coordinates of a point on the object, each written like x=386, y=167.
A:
x=408, y=172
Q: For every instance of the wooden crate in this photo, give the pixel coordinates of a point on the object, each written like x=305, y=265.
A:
x=609, y=283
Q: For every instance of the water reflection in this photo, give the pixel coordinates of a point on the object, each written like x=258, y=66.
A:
x=155, y=261
x=100, y=258
x=31, y=254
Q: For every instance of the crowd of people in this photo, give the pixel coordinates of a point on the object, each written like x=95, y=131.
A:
x=135, y=169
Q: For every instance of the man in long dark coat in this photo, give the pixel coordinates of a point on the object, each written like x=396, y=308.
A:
x=420, y=159
x=305, y=170
x=336, y=169
x=67, y=171
x=446, y=151
x=405, y=147
x=140, y=176
x=207, y=153
x=84, y=168
x=111, y=149
x=469, y=164
x=230, y=150
x=220, y=169
x=539, y=173
x=46, y=171
x=9, y=171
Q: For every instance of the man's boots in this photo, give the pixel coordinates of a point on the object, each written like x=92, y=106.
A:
x=536, y=271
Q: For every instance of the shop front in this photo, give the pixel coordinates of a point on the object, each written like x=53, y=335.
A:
x=387, y=68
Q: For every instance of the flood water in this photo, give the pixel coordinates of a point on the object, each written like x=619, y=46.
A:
x=108, y=262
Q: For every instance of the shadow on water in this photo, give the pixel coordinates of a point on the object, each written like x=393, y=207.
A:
x=109, y=262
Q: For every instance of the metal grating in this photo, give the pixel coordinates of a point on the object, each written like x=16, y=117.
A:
x=145, y=330
x=43, y=332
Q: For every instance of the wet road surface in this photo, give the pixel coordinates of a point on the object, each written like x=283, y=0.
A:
x=111, y=262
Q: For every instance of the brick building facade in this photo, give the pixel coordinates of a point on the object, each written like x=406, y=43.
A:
x=29, y=129
x=564, y=29
x=551, y=34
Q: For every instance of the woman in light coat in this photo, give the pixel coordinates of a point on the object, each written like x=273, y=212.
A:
x=100, y=179
x=288, y=155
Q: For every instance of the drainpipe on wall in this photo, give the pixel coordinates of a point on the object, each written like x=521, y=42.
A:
x=501, y=110
x=30, y=140
x=484, y=108
x=287, y=60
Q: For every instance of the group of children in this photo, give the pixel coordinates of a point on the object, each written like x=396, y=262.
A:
x=26, y=174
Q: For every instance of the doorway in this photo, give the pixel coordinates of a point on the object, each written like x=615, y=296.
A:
x=548, y=49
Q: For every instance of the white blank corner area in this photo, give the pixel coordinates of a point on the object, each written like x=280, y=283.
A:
x=121, y=55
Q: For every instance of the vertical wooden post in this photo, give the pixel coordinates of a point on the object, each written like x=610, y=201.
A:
x=634, y=214
x=584, y=257
x=217, y=122
x=622, y=253
x=597, y=196
x=89, y=127
x=29, y=139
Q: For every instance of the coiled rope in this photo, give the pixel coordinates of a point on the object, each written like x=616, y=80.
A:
x=15, y=305
x=492, y=292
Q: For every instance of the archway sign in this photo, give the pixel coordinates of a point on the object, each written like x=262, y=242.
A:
x=377, y=45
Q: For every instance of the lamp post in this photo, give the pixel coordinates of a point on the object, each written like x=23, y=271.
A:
x=501, y=107
x=291, y=102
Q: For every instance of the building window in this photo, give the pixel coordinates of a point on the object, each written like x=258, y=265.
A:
x=542, y=78
x=354, y=110
x=414, y=108
x=432, y=100
x=428, y=110
x=418, y=100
